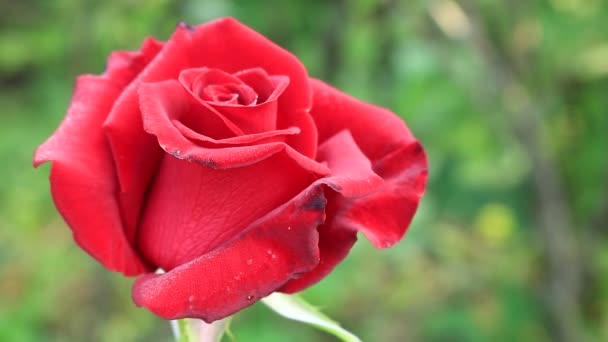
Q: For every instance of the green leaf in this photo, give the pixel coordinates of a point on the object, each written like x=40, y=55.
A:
x=295, y=308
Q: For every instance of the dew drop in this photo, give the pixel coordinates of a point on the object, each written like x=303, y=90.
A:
x=288, y=228
x=250, y=297
x=191, y=299
x=269, y=251
x=249, y=261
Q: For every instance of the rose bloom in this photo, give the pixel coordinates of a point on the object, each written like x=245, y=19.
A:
x=216, y=158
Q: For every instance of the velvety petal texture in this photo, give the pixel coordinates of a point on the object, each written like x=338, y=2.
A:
x=208, y=207
x=163, y=103
x=248, y=49
x=395, y=154
x=83, y=179
x=252, y=265
x=384, y=214
x=215, y=158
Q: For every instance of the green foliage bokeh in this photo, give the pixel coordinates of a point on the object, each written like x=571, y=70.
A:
x=473, y=266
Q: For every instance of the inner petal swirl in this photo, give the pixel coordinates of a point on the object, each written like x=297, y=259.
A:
x=247, y=99
x=231, y=93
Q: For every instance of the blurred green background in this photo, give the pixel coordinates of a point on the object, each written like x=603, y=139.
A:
x=510, y=99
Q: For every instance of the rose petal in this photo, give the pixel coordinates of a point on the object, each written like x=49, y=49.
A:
x=351, y=177
x=71, y=149
x=202, y=77
x=124, y=66
x=384, y=216
x=83, y=179
x=351, y=171
x=205, y=85
x=273, y=250
x=136, y=153
x=167, y=101
x=267, y=87
x=306, y=142
x=162, y=102
x=211, y=84
x=374, y=215
x=205, y=208
x=251, y=119
x=259, y=138
x=335, y=241
x=257, y=118
x=228, y=45
x=230, y=95
x=376, y=130
x=396, y=156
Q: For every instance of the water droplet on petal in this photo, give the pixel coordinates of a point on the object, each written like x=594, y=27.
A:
x=249, y=261
x=250, y=297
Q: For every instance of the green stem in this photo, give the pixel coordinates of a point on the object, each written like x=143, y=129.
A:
x=196, y=330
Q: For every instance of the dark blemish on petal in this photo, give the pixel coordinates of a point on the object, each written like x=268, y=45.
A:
x=334, y=186
x=210, y=163
x=317, y=203
x=297, y=275
x=176, y=153
x=186, y=26
x=206, y=162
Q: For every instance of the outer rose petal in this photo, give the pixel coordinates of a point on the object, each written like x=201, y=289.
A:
x=335, y=241
x=383, y=215
x=206, y=208
x=273, y=250
x=231, y=276
x=352, y=177
x=124, y=66
x=135, y=152
x=395, y=154
x=376, y=130
x=83, y=181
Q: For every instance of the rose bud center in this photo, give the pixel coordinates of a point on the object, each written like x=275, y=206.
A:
x=247, y=100
x=230, y=93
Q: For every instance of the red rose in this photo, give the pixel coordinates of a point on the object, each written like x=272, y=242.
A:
x=216, y=158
